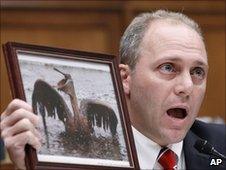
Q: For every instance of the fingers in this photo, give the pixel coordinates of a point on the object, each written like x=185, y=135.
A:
x=15, y=105
x=18, y=141
x=18, y=115
x=18, y=128
x=15, y=146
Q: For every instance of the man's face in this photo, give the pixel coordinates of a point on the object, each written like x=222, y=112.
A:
x=166, y=89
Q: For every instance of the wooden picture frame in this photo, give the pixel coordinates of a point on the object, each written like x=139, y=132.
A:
x=94, y=132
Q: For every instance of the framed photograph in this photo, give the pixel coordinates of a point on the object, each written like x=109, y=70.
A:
x=80, y=101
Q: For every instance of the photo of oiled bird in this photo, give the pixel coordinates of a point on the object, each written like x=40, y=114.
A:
x=79, y=123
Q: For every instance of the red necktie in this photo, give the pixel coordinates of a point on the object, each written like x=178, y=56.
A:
x=167, y=159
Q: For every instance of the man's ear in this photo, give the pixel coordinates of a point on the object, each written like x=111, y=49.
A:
x=125, y=76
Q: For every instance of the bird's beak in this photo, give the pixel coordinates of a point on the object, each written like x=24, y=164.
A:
x=59, y=71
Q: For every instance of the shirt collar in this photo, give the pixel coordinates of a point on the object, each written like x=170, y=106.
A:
x=148, y=150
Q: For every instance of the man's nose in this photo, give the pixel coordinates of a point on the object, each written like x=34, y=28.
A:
x=184, y=85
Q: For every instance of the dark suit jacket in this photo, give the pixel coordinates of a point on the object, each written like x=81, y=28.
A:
x=215, y=134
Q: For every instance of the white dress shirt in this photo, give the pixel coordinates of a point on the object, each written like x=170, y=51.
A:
x=147, y=152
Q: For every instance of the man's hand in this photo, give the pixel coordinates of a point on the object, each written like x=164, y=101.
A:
x=18, y=128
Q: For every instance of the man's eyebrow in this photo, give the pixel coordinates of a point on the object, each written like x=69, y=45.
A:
x=201, y=63
x=169, y=58
x=178, y=59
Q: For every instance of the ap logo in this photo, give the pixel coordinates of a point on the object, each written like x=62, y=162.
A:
x=215, y=161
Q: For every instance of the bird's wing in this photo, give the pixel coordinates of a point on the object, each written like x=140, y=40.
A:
x=46, y=98
x=99, y=114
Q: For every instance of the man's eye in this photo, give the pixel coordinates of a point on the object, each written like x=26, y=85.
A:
x=198, y=72
x=167, y=68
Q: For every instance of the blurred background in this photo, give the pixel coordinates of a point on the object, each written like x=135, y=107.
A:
x=97, y=26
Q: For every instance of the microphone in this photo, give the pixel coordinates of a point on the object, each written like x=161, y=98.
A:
x=204, y=147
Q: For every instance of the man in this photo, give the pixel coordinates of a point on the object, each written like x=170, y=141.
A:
x=164, y=71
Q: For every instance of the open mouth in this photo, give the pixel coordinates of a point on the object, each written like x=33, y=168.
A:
x=178, y=113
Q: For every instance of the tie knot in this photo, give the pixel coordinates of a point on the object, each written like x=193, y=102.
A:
x=168, y=159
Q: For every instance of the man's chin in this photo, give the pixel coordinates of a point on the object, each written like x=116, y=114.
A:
x=173, y=137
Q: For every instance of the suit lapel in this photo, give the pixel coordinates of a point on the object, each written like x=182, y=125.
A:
x=193, y=159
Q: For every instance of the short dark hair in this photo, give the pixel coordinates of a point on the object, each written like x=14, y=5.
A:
x=133, y=36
